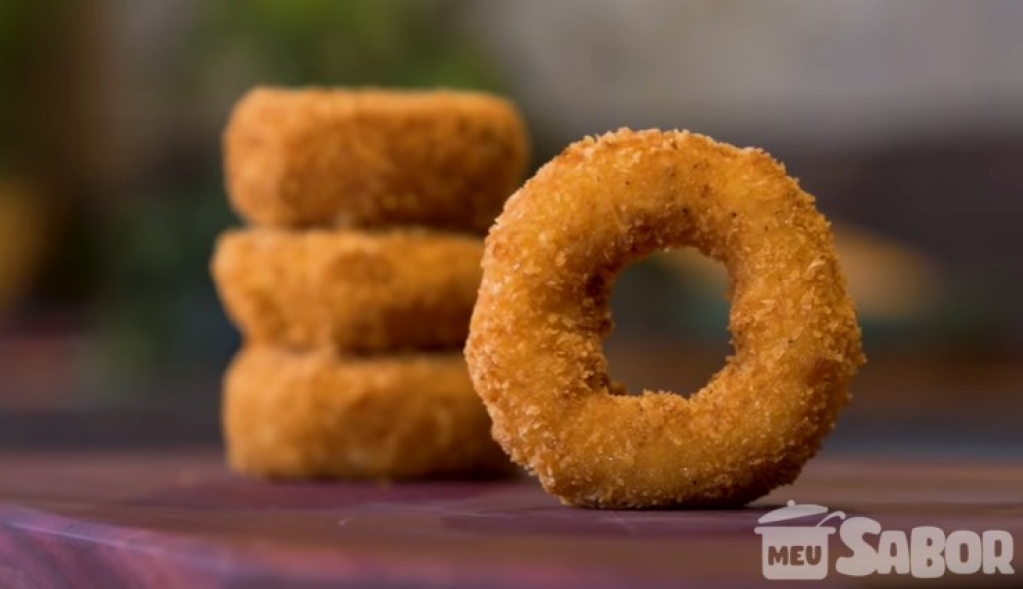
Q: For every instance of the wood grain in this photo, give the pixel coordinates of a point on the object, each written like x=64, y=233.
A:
x=178, y=519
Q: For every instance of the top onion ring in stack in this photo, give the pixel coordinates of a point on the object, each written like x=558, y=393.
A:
x=535, y=344
x=371, y=158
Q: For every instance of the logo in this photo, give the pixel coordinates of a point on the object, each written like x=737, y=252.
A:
x=796, y=547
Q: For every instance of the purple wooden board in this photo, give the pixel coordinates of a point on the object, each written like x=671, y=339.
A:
x=180, y=520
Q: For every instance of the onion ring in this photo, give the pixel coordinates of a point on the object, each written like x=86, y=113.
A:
x=318, y=415
x=373, y=158
x=356, y=292
x=535, y=341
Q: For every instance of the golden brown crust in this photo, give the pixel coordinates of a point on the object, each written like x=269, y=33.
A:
x=353, y=291
x=373, y=158
x=315, y=415
x=535, y=343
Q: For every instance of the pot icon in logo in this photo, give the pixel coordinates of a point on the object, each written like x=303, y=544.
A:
x=795, y=551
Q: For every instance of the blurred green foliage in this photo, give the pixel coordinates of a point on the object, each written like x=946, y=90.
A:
x=157, y=309
x=352, y=42
x=18, y=20
x=131, y=244
x=158, y=316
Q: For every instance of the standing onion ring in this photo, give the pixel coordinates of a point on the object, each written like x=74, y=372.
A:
x=535, y=344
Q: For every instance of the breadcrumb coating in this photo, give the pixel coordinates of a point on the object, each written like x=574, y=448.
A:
x=317, y=415
x=353, y=291
x=373, y=158
x=535, y=345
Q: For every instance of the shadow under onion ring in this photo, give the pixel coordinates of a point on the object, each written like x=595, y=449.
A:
x=535, y=344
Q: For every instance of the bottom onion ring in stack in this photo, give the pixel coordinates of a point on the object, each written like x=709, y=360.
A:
x=535, y=344
x=317, y=415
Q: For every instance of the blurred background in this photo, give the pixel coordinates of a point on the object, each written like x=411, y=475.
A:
x=904, y=119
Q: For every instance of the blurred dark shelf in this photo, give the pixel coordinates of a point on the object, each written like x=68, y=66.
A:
x=108, y=428
x=902, y=405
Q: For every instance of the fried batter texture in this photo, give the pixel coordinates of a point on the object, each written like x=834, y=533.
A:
x=317, y=415
x=353, y=291
x=373, y=158
x=535, y=342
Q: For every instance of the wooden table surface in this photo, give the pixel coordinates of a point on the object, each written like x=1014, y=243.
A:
x=179, y=519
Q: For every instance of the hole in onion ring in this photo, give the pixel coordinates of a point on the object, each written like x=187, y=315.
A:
x=671, y=323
